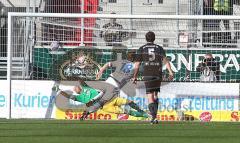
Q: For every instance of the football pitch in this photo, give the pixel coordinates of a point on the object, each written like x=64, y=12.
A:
x=63, y=131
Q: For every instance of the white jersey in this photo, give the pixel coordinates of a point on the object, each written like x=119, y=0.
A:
x=123, y=72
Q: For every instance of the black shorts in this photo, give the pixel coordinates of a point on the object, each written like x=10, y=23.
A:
x=152, y=84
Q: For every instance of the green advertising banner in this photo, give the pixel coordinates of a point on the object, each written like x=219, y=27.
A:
x=185, y=62
x=67, y=63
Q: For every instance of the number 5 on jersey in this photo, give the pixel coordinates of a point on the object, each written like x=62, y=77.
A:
x=151, y=52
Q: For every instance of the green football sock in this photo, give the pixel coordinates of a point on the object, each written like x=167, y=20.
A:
x=135, y=106
x=137, y=114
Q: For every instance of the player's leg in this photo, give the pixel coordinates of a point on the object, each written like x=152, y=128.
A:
x=152, y=88
x=156, y=104
x=124, y=109
x=91, y=109
x=138, y=114
x=134, y=106
x=151, y=105
x=111, y=107
x=101, y=102
x=108, y=95
x=128, y=107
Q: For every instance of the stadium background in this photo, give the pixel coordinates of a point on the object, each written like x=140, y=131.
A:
x=46, y=67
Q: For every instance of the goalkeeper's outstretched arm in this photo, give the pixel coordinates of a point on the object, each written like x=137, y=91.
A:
x=66, y=95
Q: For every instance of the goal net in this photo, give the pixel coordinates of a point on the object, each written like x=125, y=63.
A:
x=66, y=47
x=46, y=46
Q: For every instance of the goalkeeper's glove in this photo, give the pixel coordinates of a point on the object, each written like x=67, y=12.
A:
x=55, y=88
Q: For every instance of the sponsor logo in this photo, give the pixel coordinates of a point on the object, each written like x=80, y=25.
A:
x=33, y=101
x=163, y=117
x=191, y=103
x=235, y=116
x=80, y=66
x=122, y=116
x=191, y=62
x=71, y=115
x=209, y=103
x=205, y=117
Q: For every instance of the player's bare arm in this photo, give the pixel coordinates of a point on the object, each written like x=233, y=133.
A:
x=136, y=70
x=102, y=69
x=166, y=62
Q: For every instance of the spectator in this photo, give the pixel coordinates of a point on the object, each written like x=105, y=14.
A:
x=209, y=68
x=113, y=33
x=217, y=7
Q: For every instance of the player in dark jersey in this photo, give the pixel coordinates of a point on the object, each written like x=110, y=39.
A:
x=152, y=56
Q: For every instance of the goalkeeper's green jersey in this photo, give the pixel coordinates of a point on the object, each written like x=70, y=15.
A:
x=87, y=94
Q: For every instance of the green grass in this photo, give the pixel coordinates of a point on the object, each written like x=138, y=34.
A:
x=61, y=131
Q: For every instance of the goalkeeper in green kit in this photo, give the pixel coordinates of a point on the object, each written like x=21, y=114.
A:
x=92, y=98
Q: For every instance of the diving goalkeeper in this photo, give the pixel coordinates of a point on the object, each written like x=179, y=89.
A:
x=92, y=98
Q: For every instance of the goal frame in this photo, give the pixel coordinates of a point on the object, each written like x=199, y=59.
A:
x=80, y=15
